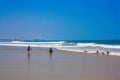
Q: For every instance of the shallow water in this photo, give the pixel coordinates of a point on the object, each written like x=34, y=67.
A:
x=17, y=65
x=113, y=46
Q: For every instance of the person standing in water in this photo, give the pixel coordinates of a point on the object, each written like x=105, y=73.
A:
x=108, y=52
x=51, y=51
x=28, y=49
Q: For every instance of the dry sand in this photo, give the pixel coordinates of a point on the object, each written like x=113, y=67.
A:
x=15, y=64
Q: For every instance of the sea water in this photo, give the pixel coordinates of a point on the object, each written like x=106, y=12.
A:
x=91, y=46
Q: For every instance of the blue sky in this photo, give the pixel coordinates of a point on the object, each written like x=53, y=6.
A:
x=60, y=19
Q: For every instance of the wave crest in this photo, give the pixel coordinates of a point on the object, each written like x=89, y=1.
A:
x=97, y=45
x=68, y=46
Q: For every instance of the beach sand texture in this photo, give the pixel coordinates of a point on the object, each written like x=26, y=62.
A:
x=15, y=64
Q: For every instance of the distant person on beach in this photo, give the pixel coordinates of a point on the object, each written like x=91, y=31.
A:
x=108, y=52
x=97, y=52
x=29, y=48
x=51, y=51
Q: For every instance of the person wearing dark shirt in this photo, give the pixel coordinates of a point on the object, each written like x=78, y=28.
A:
x=28, y=49
x=50, y=51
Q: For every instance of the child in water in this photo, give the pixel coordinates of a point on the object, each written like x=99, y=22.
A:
x=28, y=49
x=50, y=51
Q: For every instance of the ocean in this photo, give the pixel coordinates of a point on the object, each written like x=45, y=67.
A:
x=91, y=46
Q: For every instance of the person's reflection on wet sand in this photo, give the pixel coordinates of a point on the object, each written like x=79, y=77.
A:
x=50, y=62
x=28, y=66
x=50, y=57
x=28, y=55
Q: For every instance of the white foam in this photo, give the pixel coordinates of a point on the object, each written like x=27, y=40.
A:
x=60, y=45
x=97, y=45
x=35, y=44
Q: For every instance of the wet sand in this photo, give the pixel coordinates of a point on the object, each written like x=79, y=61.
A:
x=15, y=64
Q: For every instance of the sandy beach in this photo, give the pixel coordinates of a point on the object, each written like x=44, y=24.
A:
x=15, y=64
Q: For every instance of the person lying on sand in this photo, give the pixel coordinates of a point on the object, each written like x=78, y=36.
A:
x=105, y=52
x=85, y=51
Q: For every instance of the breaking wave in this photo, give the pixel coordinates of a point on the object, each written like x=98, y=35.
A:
x=69, y=46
